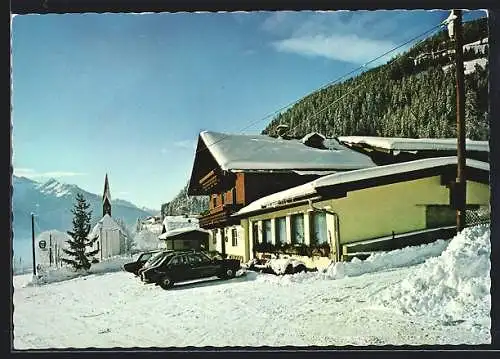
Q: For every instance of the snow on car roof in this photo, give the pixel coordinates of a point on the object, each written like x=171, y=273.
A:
x=261, y=152
x=309, y=189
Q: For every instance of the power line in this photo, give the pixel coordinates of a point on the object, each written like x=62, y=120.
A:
x=328, y=84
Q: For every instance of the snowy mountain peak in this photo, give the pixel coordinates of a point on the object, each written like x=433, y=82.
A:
x=54, y=187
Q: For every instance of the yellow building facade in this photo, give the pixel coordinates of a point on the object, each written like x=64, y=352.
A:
x=363, y=213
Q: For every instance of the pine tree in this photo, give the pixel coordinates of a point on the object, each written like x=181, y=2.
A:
x=81, y=228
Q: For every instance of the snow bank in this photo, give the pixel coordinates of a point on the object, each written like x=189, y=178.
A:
x=48, y=275
x=452, y=286
x=385, y=260
x=381, y=261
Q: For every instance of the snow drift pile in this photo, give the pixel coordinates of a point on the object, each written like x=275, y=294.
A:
x=48, y=275
x=451, y=286
x=385, y=260
x=398, y=258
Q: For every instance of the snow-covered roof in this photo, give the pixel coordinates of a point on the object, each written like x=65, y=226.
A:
x=180, y=221
x=310, y=189
x=178, y=231
x=259, y=152
x=415, y=144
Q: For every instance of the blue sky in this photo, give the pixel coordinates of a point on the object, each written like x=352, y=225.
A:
x=127, y=94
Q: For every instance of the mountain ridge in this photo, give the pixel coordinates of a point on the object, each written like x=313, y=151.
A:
x=52, y=202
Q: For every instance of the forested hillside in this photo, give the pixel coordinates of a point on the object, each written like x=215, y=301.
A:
x=413, y=95
x=183, y=204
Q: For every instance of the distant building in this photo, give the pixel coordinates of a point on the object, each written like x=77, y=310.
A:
x=184, y=232
x=111, y=238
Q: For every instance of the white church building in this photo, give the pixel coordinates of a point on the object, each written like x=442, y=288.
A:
x=111, y=238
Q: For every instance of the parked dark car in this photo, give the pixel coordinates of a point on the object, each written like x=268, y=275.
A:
x=134, y=267
x=154, y=260
x=187, y=265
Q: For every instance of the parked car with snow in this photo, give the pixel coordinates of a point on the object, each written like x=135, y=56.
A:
x=278, y=266
x=180, y=266
x=134, y=267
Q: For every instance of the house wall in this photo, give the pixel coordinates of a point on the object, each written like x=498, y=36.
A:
x=378, y=211
x=235, y=194
x=477, y=193
x=109, y=243
x=240, y=251
x=274, y=182
x=190, y=240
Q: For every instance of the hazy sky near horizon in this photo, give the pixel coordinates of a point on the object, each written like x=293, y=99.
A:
x=128, y=94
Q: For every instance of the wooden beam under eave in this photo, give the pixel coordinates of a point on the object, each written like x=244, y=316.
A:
x=207, y=177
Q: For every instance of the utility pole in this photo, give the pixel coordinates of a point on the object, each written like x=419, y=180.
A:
x=460, y=187
x=33, y=241
x=461, y=154
x=50, y=249
x=56, y=255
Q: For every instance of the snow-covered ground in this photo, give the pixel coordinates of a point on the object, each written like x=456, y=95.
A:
x=432, y=294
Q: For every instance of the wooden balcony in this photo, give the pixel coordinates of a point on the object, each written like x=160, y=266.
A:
x=220, y=218
x=215, y=181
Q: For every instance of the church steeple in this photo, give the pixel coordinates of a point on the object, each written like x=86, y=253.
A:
x=106, y=198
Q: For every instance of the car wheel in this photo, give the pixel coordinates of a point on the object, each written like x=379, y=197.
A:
x=300, y=268
x=230, y=273
x=166, y=282
x=289, y=269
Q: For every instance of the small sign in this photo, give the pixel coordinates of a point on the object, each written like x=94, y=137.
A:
x=42, y=244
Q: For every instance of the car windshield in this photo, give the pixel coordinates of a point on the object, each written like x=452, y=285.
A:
x=154, y=259
x=146, y=256
x=166, y=257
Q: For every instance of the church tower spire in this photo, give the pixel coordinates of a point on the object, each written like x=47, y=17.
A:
x=106, y=198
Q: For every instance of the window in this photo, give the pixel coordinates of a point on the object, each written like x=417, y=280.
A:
x=234, y=237
x=223, y=197
x=198, y=258
x=297, y=221
x=223, y=235
x=143, y=258
x=214, y=236
x=175, y=261
x=438, y=216
x=233, y=195
x=319, y=233
x=280, y=236
x=214, y=201
x=255, y=232
x=266, y=231
x=442, y=215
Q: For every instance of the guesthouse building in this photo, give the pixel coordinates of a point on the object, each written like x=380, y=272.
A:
x=235, y=170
